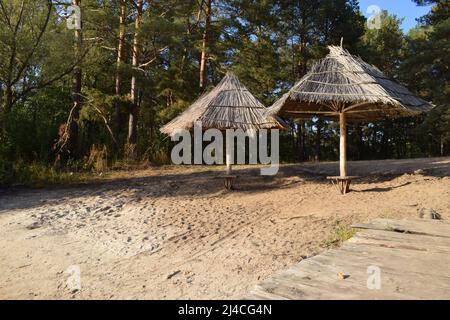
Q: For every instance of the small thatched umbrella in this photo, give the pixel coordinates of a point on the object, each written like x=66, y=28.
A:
x=227, y=106
x=344, y=87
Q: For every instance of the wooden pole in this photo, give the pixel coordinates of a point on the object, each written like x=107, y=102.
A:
x=134, y=112
x=343, y=145
x=120, y=60
x=229, y=161
x=72, y=142
x=204, y=55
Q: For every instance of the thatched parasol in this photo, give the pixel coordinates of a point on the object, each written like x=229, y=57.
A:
x=228, y=106
x=342, y=86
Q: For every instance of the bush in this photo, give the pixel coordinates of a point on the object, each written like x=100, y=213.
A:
x=6, y=172
x=6, y=166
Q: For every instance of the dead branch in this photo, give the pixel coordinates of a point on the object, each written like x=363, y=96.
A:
x=107, y=125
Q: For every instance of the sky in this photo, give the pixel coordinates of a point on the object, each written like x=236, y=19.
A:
x=402, y=8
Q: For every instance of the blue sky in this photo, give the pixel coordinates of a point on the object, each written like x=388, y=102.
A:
x=402, y=8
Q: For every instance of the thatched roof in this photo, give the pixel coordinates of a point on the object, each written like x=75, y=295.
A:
x=228, y=106
x=345, y=82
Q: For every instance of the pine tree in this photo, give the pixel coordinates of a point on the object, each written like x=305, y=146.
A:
x=426, y=69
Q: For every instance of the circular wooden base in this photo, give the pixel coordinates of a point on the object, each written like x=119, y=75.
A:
x=342, y=183
x=229, y=181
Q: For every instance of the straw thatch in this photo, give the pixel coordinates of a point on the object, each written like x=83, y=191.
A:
x=345, y=83
x=228, y=106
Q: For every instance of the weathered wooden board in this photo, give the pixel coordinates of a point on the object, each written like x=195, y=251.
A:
x=414, y=226
x=402, y=240
x=413, y=265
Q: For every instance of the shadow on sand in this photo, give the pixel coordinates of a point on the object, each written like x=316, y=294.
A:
x=205, y=181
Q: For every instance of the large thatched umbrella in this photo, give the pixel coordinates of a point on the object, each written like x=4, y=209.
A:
x=227, y=106
x=344, y=87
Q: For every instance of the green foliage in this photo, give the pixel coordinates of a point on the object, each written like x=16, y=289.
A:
x=426, y=70
x=6, y=165
x=384, y=47
x=269, y=44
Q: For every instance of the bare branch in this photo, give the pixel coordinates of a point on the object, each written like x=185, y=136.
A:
x=93, y=39
x=152, y=60
x=107, y=125
x=108, y=48
x=65, y=136
x=52, y=80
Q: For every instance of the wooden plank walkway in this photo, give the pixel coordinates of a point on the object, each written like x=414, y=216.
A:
x=413, y=257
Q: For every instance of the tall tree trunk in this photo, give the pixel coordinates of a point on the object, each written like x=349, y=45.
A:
x=133, y=119
x=120, y=60
x=7, y=100
x=204, y=56
x=318, y=142
x=385, y=152
x=359, y=132
x=302, y=67
x=72, y=129
x=301, y=140
x=5, y=110
x=8, y=95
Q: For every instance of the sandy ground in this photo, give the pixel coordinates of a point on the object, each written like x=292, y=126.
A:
x=173, y=232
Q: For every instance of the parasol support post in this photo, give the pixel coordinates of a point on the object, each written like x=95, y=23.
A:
x=343, y=145
x=342, y=182
x=228, y=156
x=229, y=178
x=229, y=165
